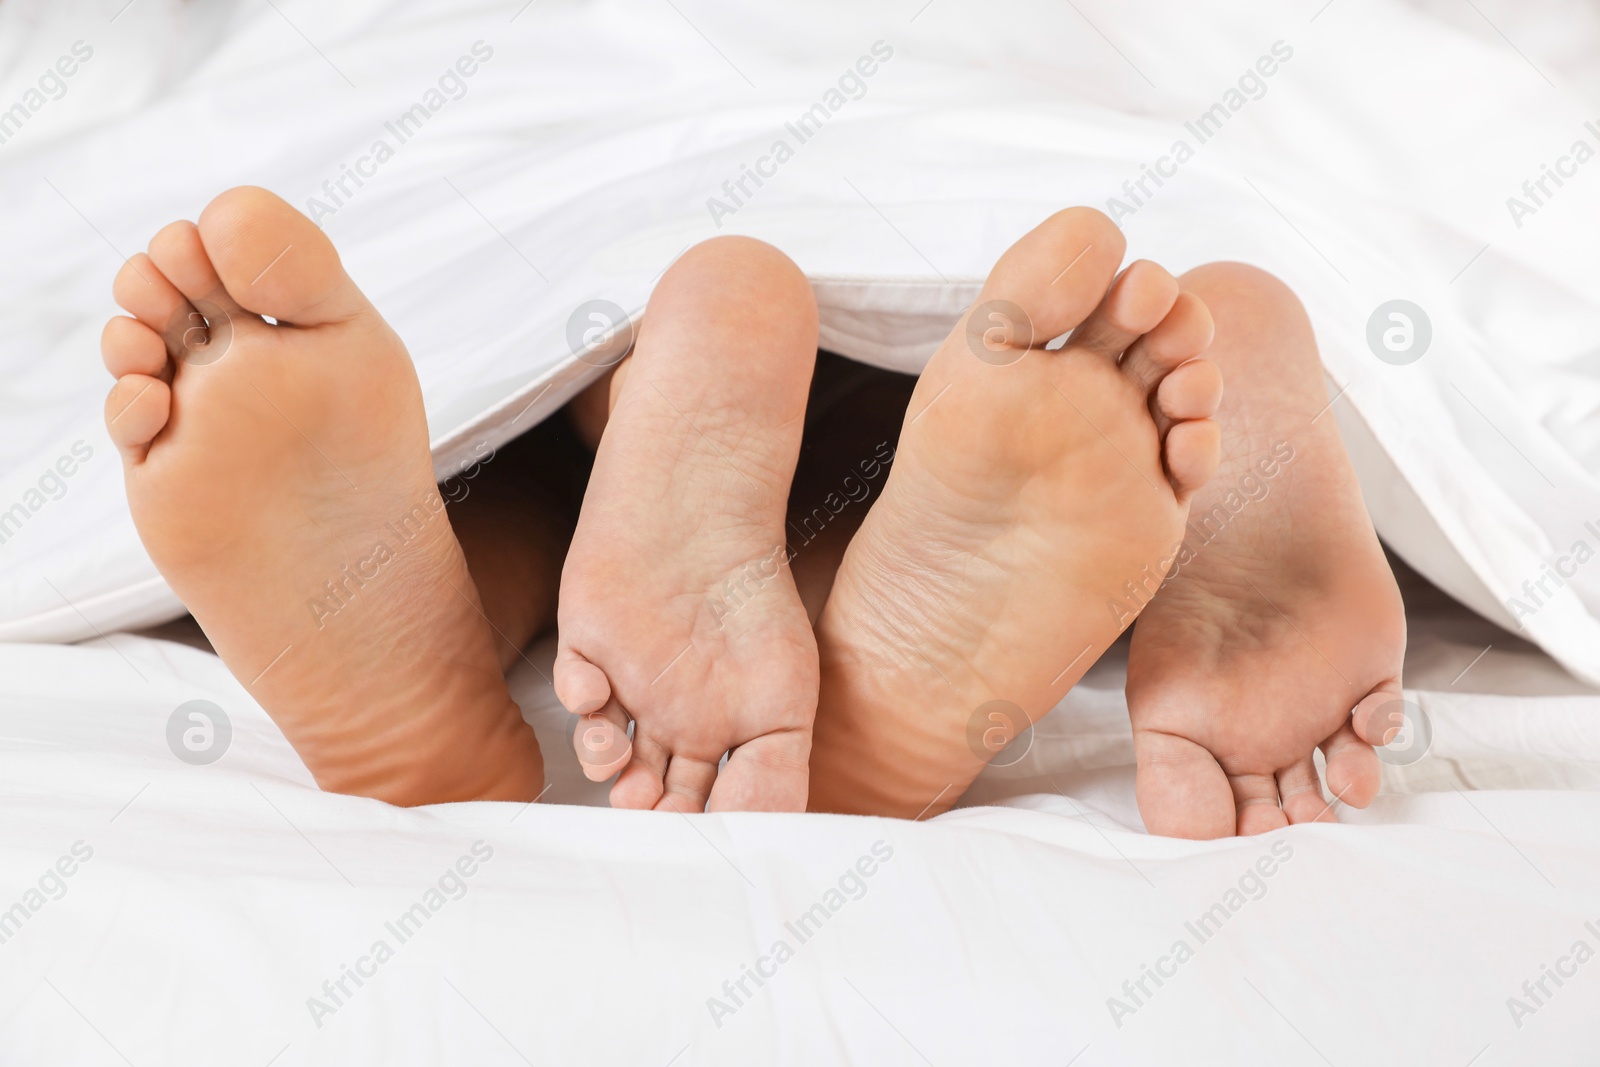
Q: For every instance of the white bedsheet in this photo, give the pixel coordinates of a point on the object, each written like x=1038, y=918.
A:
x=216, y=900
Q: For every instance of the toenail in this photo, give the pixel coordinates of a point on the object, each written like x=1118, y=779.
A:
x=999, y=332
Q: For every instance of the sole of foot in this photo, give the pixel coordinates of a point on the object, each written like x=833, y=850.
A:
x=1030, y=484
x=275, y=454
x=1282, y=630
x=678, y=613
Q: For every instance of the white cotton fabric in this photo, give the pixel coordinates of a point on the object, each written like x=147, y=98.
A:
x=582, y=155
x=217, y=900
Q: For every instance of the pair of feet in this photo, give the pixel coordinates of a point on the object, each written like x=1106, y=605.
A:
x=1037, y=497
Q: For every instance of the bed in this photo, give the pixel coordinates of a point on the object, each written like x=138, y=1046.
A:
x=161, y=909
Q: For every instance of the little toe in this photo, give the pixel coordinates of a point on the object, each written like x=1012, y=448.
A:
x=1192, y=451
x=1181, y=789
x=1192, y=391
x=136, y=411
x=1137, y=302
x=1185, y=333
x=128, y=346
x=1300, y=793
x=769, y=773
x=1354, y=775
x=643, y=781
x=687, y=786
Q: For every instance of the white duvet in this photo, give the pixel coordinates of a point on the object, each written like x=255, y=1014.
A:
x=207, y=906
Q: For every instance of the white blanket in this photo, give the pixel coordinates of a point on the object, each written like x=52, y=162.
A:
x=593, y=142
x=156, y=911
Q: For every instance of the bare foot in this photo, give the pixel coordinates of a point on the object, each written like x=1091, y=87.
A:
x=279, y=477
x=1283, y=616
x=677, y=606
x=1029, y=485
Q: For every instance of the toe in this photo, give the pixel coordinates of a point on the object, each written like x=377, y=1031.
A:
x=204, y=333
x=1055, y=275
x=274, y=261
x=769, y=773
x=1380, y=714
x=177, y=252
x=128, y=346
x=687, y=786
x=1256, y=797
x=1353, y=772
x=601, y=742
x=1183, y=334
x=1181, y=789
x=640, y=785
x=144, y=292
x=1192, y=451
x=1139, y=300
x=581, y=687
x=1192, y=391
x=1300, y=793
x=136, y=411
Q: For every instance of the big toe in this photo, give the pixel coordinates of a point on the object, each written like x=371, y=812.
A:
x=1052, y=278
x=1182, y=790
x=274, y=261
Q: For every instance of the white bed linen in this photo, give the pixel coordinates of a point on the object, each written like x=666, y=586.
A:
x=218, y=899
x=1376, y=164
